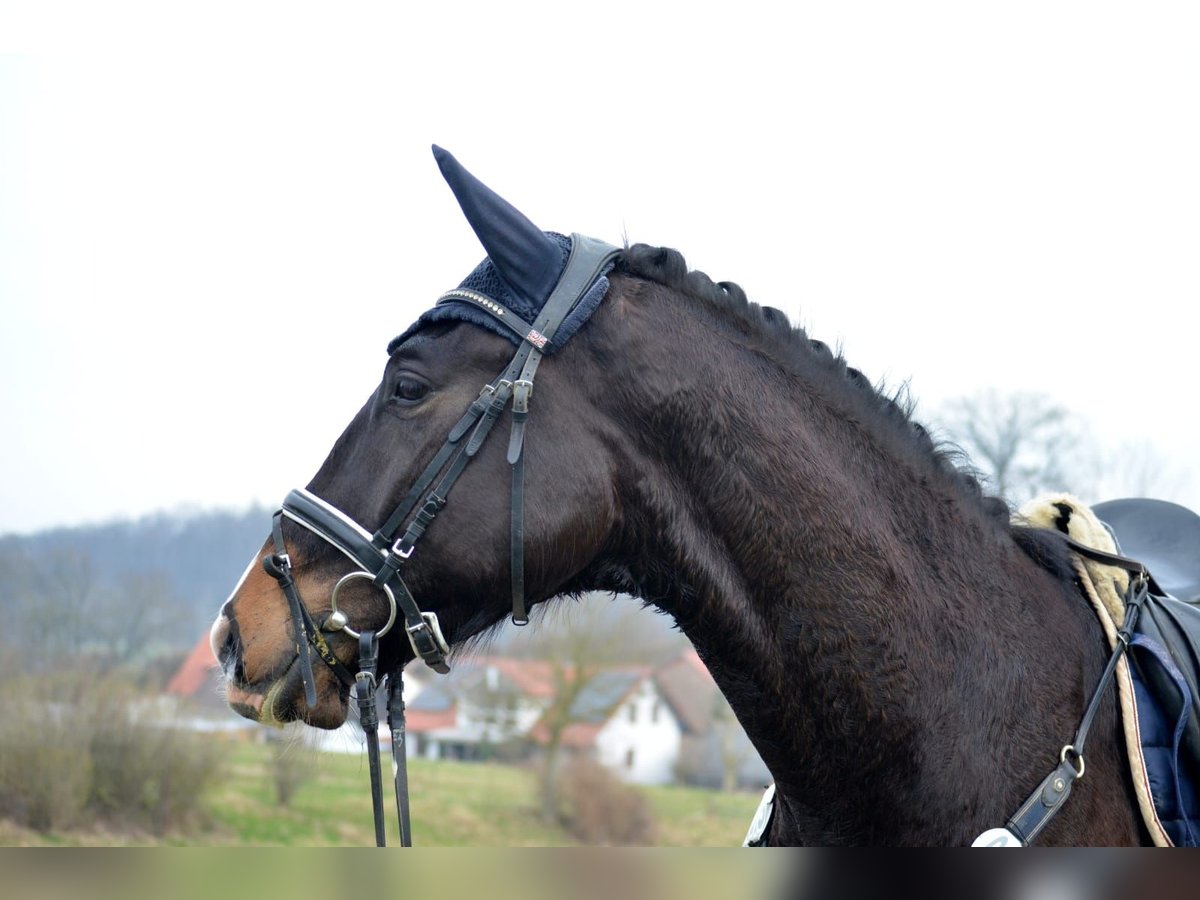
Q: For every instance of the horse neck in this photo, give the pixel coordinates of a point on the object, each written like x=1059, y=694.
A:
x=870, y=624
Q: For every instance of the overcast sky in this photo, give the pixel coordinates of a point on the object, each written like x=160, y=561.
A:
x=211, y=225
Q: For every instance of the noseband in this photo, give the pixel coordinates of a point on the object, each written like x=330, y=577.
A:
x=380, y=557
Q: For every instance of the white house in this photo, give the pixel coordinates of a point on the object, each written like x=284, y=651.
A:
x=646, y=725
x=622, y=720
x=485, y=708
x=640, y=741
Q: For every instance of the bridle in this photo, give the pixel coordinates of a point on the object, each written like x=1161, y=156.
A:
x=380, y=557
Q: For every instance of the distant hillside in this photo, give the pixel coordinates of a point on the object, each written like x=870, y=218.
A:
x=162, y=578
x=191, y=561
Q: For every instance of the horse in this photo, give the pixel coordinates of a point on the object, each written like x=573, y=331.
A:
x=906, y=660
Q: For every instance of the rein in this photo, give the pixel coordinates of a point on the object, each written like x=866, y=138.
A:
x=382, y=555
x=1031, y=818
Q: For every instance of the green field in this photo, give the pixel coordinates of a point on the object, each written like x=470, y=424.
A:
x=453, y=805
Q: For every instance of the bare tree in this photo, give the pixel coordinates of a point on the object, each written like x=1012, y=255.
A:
x=569, y=682
x=139, y=611
x=733, y=746
x=16, y=648
x=59, y=603
x=1138, y=469
x=1022, y=443
x=618, y=626
x=61, y=610
x=575, y=654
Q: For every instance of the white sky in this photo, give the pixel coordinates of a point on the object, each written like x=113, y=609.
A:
x=212, y=223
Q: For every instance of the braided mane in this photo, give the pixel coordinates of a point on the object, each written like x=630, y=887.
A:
x=791, y=347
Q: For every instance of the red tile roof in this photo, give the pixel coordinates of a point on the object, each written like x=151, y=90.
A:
x=418, y=720
x=692, y=658
x=689, y=689
x=533, y=677
x=579, y=735
x=196, y=671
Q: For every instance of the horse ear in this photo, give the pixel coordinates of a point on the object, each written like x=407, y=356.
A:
x=528, y=261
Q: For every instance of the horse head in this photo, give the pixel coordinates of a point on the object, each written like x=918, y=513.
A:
x=423, y=431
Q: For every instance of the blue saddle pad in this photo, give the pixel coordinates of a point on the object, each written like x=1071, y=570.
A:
x=1165, y=667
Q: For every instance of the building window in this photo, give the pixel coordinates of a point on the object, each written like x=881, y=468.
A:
x=632, y=712
x=629, y=758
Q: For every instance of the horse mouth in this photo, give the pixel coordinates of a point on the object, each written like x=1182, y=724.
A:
x=282, y=700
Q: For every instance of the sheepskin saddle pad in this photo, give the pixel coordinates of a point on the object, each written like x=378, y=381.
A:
x=1158, y=680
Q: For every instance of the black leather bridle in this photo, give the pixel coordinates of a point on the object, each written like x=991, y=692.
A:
x=380, y=557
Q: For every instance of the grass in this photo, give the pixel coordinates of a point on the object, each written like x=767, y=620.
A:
x=453, y=805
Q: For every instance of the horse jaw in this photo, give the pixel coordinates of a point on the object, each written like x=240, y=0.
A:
x=281, y=701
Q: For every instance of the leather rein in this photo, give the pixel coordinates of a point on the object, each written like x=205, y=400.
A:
x=1032, y=817
x=1047, y=799
x=380, y=557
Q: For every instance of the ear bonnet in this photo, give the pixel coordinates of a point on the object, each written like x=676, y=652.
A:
x=522, y=268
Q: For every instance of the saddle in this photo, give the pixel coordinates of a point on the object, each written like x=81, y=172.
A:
x=1165, y=537
x=1159, y=685
x=1165, y=650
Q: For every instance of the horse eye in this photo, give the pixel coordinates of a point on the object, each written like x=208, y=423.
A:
x=409, y=389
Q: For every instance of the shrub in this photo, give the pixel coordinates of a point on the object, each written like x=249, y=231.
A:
x=600, y=809
x=78, y=748
x=123, y=755
x=186, y=765
x=292, y=764
x=44, y=777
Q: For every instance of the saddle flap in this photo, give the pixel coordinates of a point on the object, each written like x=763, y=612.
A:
x=1175, y=627
x=1165, y=657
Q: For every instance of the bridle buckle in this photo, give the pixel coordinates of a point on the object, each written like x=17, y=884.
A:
x=429, y=623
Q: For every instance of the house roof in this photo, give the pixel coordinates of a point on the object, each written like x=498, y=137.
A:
x=594, y=706
x=684, y=683
x=689, y=689
x=534, y=678
x=196, y=672
x=436, y=698
x=436, y=706
x=597, y=700
x=421, y=720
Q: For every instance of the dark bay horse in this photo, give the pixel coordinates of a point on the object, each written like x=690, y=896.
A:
x=907, y=663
